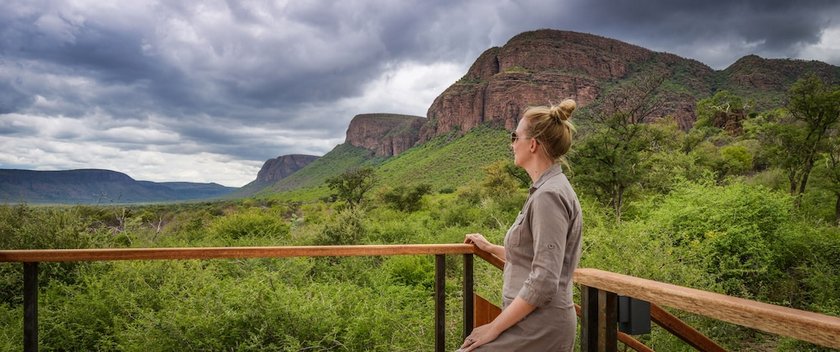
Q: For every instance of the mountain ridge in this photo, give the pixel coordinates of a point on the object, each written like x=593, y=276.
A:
x=97, y=186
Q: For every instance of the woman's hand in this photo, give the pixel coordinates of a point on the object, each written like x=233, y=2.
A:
x=479, y=336
x=479, y=240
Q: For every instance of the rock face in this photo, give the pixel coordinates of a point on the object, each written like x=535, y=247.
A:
x=282, y=166
x=547, y=66
x=385, y=134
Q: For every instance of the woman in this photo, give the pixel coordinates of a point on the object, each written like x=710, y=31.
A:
x=542, y=248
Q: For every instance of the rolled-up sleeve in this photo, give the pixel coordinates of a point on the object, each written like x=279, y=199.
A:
x=549, y=220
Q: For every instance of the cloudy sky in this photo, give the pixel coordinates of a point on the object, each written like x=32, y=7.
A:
x=206, y=91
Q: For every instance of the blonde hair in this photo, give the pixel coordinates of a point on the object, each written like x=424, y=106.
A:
x=551, y=127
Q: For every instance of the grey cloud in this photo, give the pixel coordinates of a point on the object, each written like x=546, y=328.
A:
x=214, y=72
x=9, y=128
x=13, y=100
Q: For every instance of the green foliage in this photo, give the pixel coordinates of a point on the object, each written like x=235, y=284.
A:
x=500, y=182
x=346, y=227
x=608, y=158
x=309, y=180
x=447, y=161
x=406, y=198
x=352, y=185
x=723, y=110
x=251, y=224
x=735, y=159
x=729, y=231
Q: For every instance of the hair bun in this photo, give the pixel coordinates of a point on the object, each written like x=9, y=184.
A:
x=563, y=111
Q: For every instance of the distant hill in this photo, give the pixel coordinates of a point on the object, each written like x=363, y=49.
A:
x=94, y=186
x=274, y=170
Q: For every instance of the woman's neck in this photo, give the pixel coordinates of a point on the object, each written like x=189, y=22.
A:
x=537, y=168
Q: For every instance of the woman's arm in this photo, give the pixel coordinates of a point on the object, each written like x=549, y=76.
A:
x=517, y=310
x=482, y=243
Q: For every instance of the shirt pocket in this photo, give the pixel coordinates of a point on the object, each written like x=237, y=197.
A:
x=514, y=235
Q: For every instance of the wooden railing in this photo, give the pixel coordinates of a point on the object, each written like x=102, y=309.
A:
x=598, y=324
x=31, y=258
x=598, y=293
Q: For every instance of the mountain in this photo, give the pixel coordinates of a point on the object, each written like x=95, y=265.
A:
x=537, y=68
x=274, y=170
x=766, y=81
x=543, y=66
x=97, y=187
x=385, y=134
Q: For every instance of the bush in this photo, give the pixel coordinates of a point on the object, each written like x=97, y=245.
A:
x=406, y=198
x=730, y=231
x=346, y=227
x=253, y=223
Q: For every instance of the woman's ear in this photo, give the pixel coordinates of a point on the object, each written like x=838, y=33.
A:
x=534, y=145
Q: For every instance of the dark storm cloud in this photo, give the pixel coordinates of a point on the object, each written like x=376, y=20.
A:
x=716, y=32
x=11, y=99
x=252, y=80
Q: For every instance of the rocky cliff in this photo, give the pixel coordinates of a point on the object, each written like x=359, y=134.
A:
x=282, y=166
x=544, y=66
x=384, y=134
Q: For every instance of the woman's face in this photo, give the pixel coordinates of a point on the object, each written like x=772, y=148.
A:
x=522, y=144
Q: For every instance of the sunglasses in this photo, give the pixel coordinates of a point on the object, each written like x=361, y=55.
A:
x=514, y=137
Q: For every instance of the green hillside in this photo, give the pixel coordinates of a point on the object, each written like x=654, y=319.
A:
x=445, y=162
x=308, y=182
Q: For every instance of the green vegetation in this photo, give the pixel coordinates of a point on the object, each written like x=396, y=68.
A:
x=308, y=183
x=447, y=161
x=709, y=208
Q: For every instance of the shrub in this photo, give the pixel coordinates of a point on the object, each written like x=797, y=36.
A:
x=729, y=230
x=346, y=227
x=406, y=198
x=252, y=223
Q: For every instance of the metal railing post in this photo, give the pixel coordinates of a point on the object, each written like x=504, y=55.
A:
x=30, y=307
x=440, y=303
x=468, y=295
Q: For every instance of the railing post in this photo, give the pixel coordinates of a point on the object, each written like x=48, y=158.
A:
x=598, y=331
x=468, y=295
x=589, y=319
x=440, y=302
x=30, y=307
x=607, y=321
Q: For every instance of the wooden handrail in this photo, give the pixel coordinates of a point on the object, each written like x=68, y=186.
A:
x=624, y=338
x=75, y=255
x=799, y=324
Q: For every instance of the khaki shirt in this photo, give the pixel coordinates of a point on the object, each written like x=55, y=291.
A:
x=542, y=248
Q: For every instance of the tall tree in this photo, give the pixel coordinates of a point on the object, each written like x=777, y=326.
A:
x=614, y=138
x=817, y=106
x=832, y=171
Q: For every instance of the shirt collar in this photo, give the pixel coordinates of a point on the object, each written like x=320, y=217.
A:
x=552, y=171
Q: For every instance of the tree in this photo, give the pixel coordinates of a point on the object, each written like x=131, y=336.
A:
x=608, y=158
x=352, y=185
x=816, y=105
x=723, y=110
x=406, y=198
x=831, y=172
x=794, y=140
